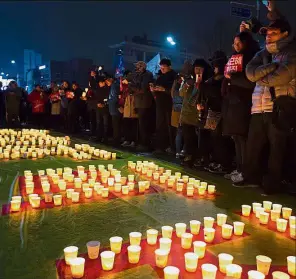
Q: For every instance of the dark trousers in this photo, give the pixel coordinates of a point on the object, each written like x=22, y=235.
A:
x=240, y=143
x=190, y=139
x=130, y=129
x=116, y=126
x=179, y=139
x=92, y=121
x=13, y=120
x=262, y=132
x=102, y=117
x=204, y=144
x=163, y=124
x=38, y=119
x=55, y=120
x=144, y=126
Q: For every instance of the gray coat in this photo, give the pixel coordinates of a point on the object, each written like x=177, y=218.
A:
x=280, y=74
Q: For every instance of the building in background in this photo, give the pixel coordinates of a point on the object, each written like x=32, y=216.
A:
x=32, y=60
x=142, y=49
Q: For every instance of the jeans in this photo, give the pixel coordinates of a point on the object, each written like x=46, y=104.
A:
x=240, y=143
x=179, y=140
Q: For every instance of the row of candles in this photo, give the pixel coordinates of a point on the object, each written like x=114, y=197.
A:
x=110, y=177
x=209, y=271
x=267, y=211
x=177, y=181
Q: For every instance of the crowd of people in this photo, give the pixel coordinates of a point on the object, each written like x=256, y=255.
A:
x=241, y=107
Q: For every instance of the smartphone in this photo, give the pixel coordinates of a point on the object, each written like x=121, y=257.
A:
x=265, y=2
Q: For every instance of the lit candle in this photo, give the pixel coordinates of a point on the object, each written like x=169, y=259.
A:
x=221, y=219
x=75, y=196
x=117, y=187
x=208, y=222
x=253, y=274
x=32, y=196
x=180, y=229
x=191, y=261
x=195, y=226
x=35, y=202
x=171, y=272
x=234, y=271
x=57, y=200
x=190, y=191
x=142, y=186
x=131, y=178
x=277, y=207
x=70, y=252
x=131, y=186
x=59, y=171
x=263, y=264
x=178, y=175
x=246, y=210
x=227, y=231
x=147, y=185
x=180, y=186
x=45, y=187
x=267, y=205
x=88, y=192
x=48, y=197
x=281, y=225
x=274, y=215
x=293, y=231
x=209, y=271
x=292, y=220
x=91, y=182
x=166, y=231
x=291, y=263
x=259, y=210
x=186, y=240
x=16, y=198
x=171, y=183
x=77, y=182
x=29, y=189
x=117, y=178
x=113, y=156
x=286, y=212
x=115, y=244
x=211, y=189
x=62, y=185
x=161, y=258
x=123, y=180
x=134, y=254
x=41, y=172
x=77, y=267
x=165, y=244
x=135, y=238
x=209, y=235
x=256, y=205
x=280, y=275
x=107, y=260
x=238, y=228
x=199, y=248
x=149, y=173
x=105, y=193
x=264, y=216
x=224, y=261
x=125, y=190
x=162, y=179
x=15, y=205
x=155, y=176
x=110, y=181
x=152, y=236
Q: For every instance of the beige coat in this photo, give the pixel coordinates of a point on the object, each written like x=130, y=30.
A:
x=129, y=107
x=56, y=108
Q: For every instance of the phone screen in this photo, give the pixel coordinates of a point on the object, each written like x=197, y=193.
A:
x=265, y=2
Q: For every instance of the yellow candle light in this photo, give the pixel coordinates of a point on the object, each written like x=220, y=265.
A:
x=234, y=271
x=224, y=261
x=259, y=210
x=280, y=275
x=29, y=189
x=149, y=173
x=94, y=174
x=281, y=225
x=125, y=190
x=263, y=264
x=135, y=238
x=180, y=186
x=91, y=182
x=70, y=252
x=123, y=180
x=267, y=205
x=264, y=216
x=55, y=179
x=41, y=172
x=131, y=178
x=178, y=175
x=209, y=271
x=221, y=219
x=180, y=229
x=246, y=210
x=85, y=186
x=293, y=231
x=165, y=244
x=195, y=227
x=286, y=212
x=77, y=267
x=209, y=235
x=45, y=187
x=238, y=228
x=292, y=220
x=277, y=207
x=274, y=215
x=75, y=196
x=116, y=244
x=105, y=193
x=199, y=248
x=134, y=254
x=142, y=186
x=186, y=240
x=191, y=261
x=77, y=182
x=57, y=200
x=171, y=272
x=208, y=222
x=161, y=258
x=256, y=205
x=48, y=197
x=15, y=205
x=62, y=185
x=155, y=176
x=291, y=263
x=107, y=260
x=227, y=231
x=171, y=182
x=166, y=231
x=211, y=189
x=190, y=191
x=152, y=236
x=88, y=192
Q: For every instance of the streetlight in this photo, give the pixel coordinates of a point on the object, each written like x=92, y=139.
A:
x=2, y=73
x=12, y=61
x=171, y=40
x=7, y=75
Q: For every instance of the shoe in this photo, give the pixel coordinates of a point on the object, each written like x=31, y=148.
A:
x=199, y=163
x=170, y=151
x=125, y=143
x=229, y=175
x=178, y=155
x=187, y=158
x=244, y=184
x=237, y=178
x=217, y=169
x=211, y=166
x=182, y=154
x=132, y=144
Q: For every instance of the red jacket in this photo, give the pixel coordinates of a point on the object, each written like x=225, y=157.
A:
x=38, y=100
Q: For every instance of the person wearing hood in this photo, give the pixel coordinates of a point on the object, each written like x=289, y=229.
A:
x=273, y=109
x=163, y=100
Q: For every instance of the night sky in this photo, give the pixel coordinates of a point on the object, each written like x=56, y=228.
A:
x=65, y=30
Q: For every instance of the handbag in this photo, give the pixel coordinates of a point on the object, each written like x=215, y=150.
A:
x=213, y=119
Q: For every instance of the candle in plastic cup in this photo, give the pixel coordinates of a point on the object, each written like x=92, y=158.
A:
x=135, y=238
x=224, y=261
x=69, y=193
x=180, y=229
x=255, y=205
x=208, y=222
x=190, y=191
x=238, y=228
x=161, y=258
x=15, y=205
x=29, y=189
x=167, y=231
x=162, y=179
x=286, y=212
x=191, y=261
x=180, y=186
x=134, y=253
x=165, y=244
x=93, y=249
x=77, y=267
x=115, y=244
x=291, y=262
x=178, y=175
x=117, y=187
x=264, y=216
x=281, y=225
x=77, y=182
x=277, y=207
x=221, y=219
x=16, y=198
x=209, y=271
x=152, y=236
x=48, y=197
x=131, y=186
x=57, y=200
x=234, y=271
x=293, y=231
x=75, y=196
x=88, y=192
x=171, y=272
x=35, y=202
x=227, y=231
x=186, y=240
x=171, y=183
x=209, y=235
x=280, y=275
x=199, y=248
x=292, y=220
x=125, y=190
x=62, y=185
x=254, y=274
x=142, y=186
x=211, y=189
x=70, y=252
x=259, y=210
x=195, y=227
x=267, y=205
x=201, y=190
x=105, y=193
x=110, y=181
x=107, y=260
x=131, y=178
x=274, y=215
x=263, y=264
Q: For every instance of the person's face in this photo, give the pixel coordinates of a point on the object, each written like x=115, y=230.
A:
x=38, y=88
x=216, y=70
x=93, y=73
x=198, y=71
x=237, y=44
x=140, y=69
x=108, y=82
x=65, y=84
x=74, y=86
x=124, y=81
x=164, y=69
x=274, y=35
x=101, y=84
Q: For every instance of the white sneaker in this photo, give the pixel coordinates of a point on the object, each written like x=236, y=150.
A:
x=237, y=178
x=133, y=144
x=229, y=175
x=125, y=143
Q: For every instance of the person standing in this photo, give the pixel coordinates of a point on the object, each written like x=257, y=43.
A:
x=163, y=100
x=91, y=102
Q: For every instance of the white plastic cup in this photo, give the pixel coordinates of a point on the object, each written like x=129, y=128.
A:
x=292, y=220
x=167, y=231
x=165, y=244
x=152, y=236
x=135, y=238
x=224, y=261
x=267, y=205
x=291, y=263
x=209, y=235
x=234, y=271
x=256, y=205
x=69, y=193
x=274, y=215
x=77, y=267
x=254, y=274
x=209, y=222
x=293, y=231
x=180, y=229
x=263, y=264
x=286, y=212
x=75, y=196
x=195, y=227
x=70, y=252
x=199, y=248
x=264, y=217
x=280, y=275
x=227, y=231
x=246, y=210
x=171, y=272
x=238, y=228
x=93, y=249
x=134, y=253
x=161, y=258
x=15, y=205
x=221, y=219
x=191, y=261
x=281, y=225
x=277, y=207
x=116, y=244
x=107, y=260
x=186, y=240
x=209, y=271
x=211, y=189
x=259, y=210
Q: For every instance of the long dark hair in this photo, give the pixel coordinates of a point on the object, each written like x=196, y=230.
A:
x=249, y=44
x=208, y=72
